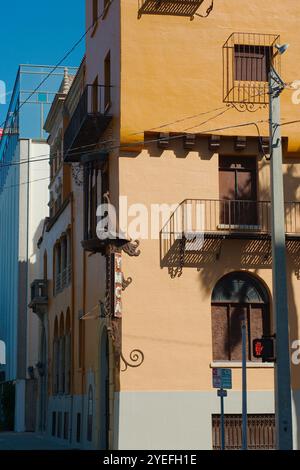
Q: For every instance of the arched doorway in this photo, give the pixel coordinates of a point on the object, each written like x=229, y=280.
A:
x=104, y=391
x=238, y=296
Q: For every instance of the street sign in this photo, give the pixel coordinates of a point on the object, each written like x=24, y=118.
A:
x=222, y=378
x=222, y=393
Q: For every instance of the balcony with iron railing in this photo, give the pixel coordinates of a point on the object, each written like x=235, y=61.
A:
x=39, y=296
x=91, y=117
x=196, y=220
x=63, y=279
x=58, y=283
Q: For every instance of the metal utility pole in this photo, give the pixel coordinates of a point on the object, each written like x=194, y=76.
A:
x=244, y=387
x=222, y=394
x=279, y=272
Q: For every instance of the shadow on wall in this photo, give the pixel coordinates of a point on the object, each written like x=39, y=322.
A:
x=254, y=254
x=291, y=186
x=169, y=7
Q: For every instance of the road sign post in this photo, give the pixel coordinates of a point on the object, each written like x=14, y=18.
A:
x=244, y=387
x=222, y=380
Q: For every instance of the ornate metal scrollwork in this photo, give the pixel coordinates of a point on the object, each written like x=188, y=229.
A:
x=77, y=173
x=131, y=248
x=114, y=325
x=137, y=358
x=250, y=107
x=126, y=282
x=175, y=271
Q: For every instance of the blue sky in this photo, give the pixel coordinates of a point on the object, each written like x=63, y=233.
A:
x=35, y=32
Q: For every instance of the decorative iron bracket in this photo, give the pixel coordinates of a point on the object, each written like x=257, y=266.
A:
x=126, y=282
x=137, y=358
x=249, y=107
x=208, y=11
x=131, y=248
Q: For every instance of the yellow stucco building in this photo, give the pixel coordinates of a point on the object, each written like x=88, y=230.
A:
x=169, y=107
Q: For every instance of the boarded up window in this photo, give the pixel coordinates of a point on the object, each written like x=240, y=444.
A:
x=238, y=297
x=219, y=332
x=227, y=329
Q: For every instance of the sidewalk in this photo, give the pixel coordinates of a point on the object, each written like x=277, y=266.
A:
x=29, y=441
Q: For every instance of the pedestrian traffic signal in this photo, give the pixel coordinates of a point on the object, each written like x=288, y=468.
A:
x=263, y=348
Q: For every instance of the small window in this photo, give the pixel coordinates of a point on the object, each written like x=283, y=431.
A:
x=59, y=424
x=53, y=423
x=66, y=425
x=78, y=427
x=252, y=63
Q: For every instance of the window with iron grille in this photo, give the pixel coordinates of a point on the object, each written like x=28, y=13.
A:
x=260, y=432
x=247, y=60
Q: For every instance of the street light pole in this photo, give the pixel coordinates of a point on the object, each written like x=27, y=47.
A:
x=279, y=273
x=244, y=386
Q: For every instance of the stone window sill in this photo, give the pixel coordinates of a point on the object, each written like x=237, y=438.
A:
x=238, y=365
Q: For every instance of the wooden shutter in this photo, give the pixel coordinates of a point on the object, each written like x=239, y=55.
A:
x=246, y=212
x=252, y=63
x=227, y=184
x=220, y=333
x=227, y=193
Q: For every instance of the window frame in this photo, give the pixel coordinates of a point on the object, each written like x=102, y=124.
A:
x=266, y=328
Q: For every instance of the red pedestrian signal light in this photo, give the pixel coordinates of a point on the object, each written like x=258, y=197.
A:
x=258, y=348
x=263, y=348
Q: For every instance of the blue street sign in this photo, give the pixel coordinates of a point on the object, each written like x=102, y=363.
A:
x=222, y=378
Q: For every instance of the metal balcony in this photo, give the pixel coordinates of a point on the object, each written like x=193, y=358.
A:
x=169, y=7
x=196, y=220
x=90, y=119
x=39, y=296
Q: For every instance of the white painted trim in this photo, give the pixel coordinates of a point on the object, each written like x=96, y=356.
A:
x=238, y=365
x=177, y=419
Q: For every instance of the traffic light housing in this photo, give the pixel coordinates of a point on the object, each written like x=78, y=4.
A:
x=263, y=348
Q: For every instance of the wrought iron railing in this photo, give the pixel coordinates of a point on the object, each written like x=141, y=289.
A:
x=64, y=278
x=94, y=102
x=69, y=274
x=260, y=432
x=58, y=283
x=198, y=217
